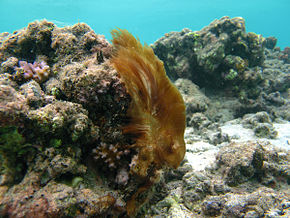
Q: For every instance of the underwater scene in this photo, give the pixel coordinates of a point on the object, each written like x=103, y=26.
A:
x=144, y=109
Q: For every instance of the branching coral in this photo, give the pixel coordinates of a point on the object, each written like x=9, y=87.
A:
x=111, y=154
x=37, y=71
x=157, y=110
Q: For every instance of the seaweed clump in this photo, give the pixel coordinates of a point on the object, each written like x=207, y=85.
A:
x=156, y=113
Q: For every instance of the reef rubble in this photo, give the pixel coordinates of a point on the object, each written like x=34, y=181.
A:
x=63, y=106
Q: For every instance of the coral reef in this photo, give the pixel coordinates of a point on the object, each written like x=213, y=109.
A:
x=51, y=124
x=99, y=134
x=67, y=107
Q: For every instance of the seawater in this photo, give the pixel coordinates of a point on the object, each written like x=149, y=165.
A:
x=150, y=19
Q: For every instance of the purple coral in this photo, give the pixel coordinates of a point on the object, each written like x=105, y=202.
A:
x=37, y=71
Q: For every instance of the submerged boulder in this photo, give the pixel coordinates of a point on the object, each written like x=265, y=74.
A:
x=220, y=54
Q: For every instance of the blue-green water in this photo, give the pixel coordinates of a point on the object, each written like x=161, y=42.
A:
x=150, y=19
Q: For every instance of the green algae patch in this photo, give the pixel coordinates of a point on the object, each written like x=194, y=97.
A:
x=13, y=154
x=70, y=180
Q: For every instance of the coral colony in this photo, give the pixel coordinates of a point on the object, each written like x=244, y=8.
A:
x=37, y=71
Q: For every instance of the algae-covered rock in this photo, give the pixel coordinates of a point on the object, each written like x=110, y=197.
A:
x=60, y=118
x=28, y=43
x=194, y=99
x=254, y=204
x=13, y=106
x=217, y=55
x=49, y=128
x=261, y=124
x=241, y=162
x=34, y=95
x=15, y=153
x=248, y=180
x=96, y=87
x=226, y=62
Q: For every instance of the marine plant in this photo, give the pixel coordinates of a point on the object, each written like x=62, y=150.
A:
x=156, y=112
x=13, y=151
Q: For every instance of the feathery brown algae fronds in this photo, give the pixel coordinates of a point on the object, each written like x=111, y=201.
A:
x=157, y=110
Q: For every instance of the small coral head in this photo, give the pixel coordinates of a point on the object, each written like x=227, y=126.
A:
x=37, y=71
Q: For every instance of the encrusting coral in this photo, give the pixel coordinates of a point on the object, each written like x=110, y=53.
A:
x=157, y=110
